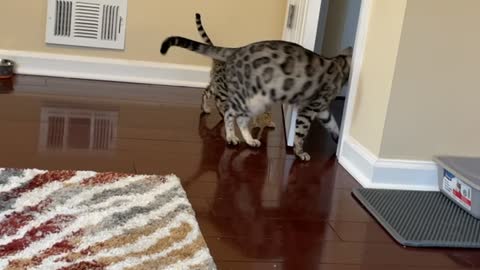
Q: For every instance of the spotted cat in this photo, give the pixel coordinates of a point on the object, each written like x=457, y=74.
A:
x=217, y=86
x=266, y=72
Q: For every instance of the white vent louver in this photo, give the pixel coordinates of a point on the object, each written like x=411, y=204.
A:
x=89, y=23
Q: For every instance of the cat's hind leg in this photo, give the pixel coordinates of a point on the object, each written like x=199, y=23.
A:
x=207, y=93
x=229, y=120
x=328, y=121
x=242, y=122
x=220, y=104
x=302, y=127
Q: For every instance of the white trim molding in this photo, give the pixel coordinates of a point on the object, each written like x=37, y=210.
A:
x=305, y=33
x=357, y=64
x=107, y=69
x=307, y=14
x=373, y=172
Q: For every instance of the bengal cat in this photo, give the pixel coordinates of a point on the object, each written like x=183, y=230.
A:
x=260, y=74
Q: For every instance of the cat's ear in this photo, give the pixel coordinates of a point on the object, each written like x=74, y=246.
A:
x=347, y=51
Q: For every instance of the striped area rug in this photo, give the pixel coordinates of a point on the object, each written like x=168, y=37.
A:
x=89, y=220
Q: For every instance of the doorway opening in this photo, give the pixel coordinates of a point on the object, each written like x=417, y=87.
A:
x=326, y=27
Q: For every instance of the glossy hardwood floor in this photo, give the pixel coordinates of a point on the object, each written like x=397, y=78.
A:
x=257, y=208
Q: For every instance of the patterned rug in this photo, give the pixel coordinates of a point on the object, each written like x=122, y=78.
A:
x=88, y=220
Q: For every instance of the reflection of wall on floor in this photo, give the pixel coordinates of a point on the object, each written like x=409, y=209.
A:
x=64, y=129
x=337, y=26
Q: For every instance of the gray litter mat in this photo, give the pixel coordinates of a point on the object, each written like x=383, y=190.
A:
x=421, y=218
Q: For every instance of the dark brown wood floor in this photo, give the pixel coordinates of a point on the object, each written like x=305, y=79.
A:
x=257, y=208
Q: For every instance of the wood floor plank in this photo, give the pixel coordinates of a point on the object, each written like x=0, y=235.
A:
x=257, y=208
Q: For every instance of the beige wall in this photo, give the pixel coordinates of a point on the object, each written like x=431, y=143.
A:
x=418, y=94
x=228, y=22
x=435, y=95
x=376, y=77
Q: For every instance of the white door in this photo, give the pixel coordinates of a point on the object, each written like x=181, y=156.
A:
x=300, y=27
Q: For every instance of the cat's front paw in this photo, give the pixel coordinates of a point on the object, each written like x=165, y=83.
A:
x=301, y=154
x=233, y=140
x=254, y=143
x=304, y=156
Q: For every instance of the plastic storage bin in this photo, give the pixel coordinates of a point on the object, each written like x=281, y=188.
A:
x=459, y=180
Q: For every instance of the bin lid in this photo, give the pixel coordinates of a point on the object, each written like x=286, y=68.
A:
x=465, y=168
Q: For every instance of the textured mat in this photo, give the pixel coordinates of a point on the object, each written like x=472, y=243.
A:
x=421, y=218
x=89, y=220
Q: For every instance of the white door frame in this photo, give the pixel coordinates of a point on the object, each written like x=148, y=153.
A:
x=304, y=33
x=306, y=38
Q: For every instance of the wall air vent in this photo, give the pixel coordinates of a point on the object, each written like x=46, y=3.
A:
x=87, y=23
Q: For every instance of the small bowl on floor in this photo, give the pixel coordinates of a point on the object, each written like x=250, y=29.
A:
x=6, y=68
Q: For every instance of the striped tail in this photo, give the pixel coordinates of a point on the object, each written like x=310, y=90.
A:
x=201, y=30
x=217, y=53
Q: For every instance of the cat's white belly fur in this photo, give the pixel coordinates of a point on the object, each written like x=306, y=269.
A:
x=258, y=103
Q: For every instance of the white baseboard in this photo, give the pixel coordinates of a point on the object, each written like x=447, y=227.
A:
x=373, y=172
x=95, y=68
x=358, y=161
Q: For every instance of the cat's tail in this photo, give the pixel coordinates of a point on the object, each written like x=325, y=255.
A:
x=201, y=30
x=217, y=53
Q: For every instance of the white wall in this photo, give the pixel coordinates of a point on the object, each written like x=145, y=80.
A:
x=433, y=107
